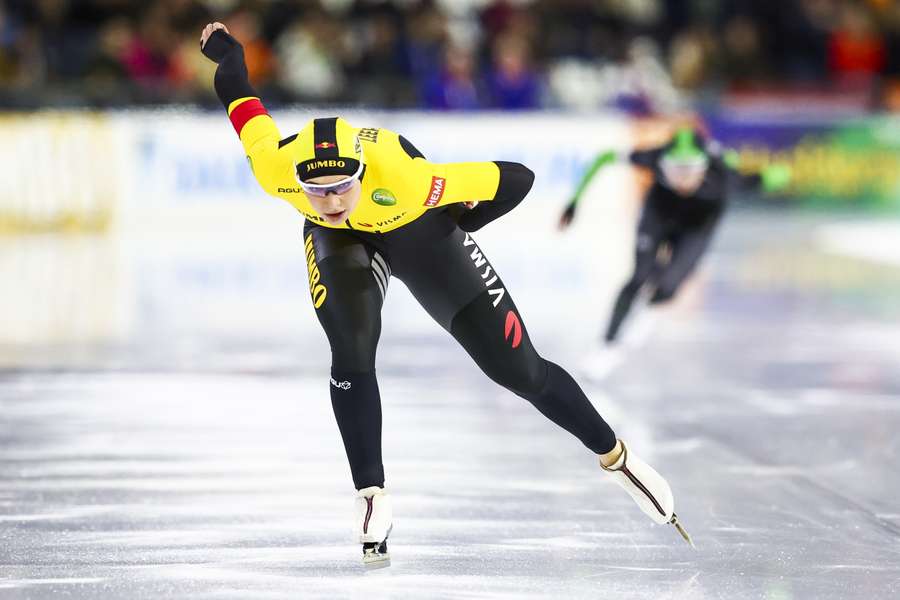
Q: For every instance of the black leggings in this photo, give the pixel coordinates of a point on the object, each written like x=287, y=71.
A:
x=450, y=277
x=686, y=245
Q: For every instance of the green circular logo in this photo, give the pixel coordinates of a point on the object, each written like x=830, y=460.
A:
x=383, y=197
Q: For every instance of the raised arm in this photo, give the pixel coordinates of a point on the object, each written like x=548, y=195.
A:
x=770, y=179
x=601, y=161
x=254, y=126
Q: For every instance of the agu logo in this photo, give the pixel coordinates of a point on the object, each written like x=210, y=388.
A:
x=438, y=185
x=341, y=385
x=318, y=291
x=513, y=329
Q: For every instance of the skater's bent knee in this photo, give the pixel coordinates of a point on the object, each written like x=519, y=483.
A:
x=634, y=286
x=531, y=379
x=662, y=294
x=525, y=376
x=354, y=351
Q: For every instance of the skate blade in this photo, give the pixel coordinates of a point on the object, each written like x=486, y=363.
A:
x=682, y=531
x=375, y=561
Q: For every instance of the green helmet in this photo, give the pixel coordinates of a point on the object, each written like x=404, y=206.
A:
x=686, y=148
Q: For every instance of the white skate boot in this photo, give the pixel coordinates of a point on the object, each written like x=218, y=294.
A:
x=647, y=487
x=372, y=525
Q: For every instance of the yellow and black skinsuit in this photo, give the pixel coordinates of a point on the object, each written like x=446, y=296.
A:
x=408, y=224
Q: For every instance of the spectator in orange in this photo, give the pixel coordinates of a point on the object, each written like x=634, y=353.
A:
x=258, y=55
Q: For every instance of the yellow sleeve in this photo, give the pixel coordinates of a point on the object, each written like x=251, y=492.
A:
x=464, y=182
x=272, y=166
x=425, y=184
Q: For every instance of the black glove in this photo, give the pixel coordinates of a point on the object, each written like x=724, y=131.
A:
x=219, y=45
x=568, y=215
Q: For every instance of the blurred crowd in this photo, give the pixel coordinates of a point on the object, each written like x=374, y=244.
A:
x=644, y=56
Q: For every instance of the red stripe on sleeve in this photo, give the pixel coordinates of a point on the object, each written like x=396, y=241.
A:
x=245, y=111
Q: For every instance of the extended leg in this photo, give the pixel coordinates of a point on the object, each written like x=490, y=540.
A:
x=490, y=329
x=459, y=288
x=347, y=288
x=649, y=238
x=496, y=339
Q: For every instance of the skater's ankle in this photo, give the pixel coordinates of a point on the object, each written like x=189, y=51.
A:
x=611, y=457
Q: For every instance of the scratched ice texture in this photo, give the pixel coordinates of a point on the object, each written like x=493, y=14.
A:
x=166, y=428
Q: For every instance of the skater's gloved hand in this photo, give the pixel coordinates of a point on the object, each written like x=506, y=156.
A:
x=216, y=43
x=567, y=217
x=776, y=177
x=731, y=158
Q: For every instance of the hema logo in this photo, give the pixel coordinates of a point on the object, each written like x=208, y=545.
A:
x=438, y=185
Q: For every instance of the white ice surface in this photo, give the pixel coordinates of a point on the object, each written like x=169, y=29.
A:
x=167, y=432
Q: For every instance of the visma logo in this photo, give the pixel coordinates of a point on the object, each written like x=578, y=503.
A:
x=490, y=278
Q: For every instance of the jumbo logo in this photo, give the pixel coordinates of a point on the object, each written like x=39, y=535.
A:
x=438, y=185
x=324, y=164
x=318, y=291
x=383, y=197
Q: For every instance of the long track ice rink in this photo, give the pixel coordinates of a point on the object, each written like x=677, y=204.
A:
x=167, y=432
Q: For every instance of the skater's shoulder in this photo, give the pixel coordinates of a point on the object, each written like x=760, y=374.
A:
x=648, y=156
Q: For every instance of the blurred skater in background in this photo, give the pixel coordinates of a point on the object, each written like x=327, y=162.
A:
x=691, y=181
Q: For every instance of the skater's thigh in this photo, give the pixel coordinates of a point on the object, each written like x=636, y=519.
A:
x=457, y=285
x=347, y=281
x=687, y=250
x=650, y=236
x=493, y=333
x=443, y=267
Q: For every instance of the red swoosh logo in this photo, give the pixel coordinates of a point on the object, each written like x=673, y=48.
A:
x=514, y=327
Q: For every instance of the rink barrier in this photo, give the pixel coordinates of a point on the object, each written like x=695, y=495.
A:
x=849, y=162
x=96, y=172
x=59, y=173
x=83, y=171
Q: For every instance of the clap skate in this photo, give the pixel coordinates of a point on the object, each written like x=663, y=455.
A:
x=372, y=526
x=648, y=489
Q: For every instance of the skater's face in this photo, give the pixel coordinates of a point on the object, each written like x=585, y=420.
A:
x=684, y=178
x=335, y=207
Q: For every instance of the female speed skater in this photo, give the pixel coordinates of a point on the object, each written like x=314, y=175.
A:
x=376, y=208
x=691, y=182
